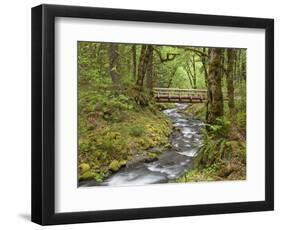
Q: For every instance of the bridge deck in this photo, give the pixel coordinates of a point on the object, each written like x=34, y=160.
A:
x=180, y=95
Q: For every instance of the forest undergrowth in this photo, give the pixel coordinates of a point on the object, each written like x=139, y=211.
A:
x=114, y=130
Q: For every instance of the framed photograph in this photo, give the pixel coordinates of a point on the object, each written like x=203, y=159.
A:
x=142, y=114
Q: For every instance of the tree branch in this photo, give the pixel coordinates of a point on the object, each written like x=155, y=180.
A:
x=198, y=52
x=169, y=56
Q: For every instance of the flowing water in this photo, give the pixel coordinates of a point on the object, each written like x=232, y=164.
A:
x=171, y=164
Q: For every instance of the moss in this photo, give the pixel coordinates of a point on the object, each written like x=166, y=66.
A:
x=115, y=165
x=136, y=131
x=84, y=168
x=168, y=146
x=90, y=176
x=98, y=177
x=105, y=141
x=87, y=176
x=152, y=155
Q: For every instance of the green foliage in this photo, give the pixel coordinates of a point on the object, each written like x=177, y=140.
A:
x=218, y=145
x=220, y=129
x=196, y=175
x=241, y=119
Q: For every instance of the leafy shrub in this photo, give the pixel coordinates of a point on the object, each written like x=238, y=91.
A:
x=221, y=128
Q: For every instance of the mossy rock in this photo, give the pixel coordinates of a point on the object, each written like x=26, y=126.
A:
x=168, y=146
x=87, y=176
x=84, y=167
x=151, y=157
x=115, y=165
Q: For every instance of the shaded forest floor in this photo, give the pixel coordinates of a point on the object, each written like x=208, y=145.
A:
x=222, y=155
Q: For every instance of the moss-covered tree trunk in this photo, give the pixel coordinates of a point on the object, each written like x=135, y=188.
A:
x=215, y=97
x=149, y=73
x=113, y=64
x=134, y=58
x=229, y=80
x=145, y=56
x=146, y=52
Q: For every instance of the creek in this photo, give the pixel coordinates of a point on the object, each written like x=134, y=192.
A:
x=171, y=163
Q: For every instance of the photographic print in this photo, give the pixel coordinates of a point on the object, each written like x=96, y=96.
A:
x=130, y=103
x=151, y=114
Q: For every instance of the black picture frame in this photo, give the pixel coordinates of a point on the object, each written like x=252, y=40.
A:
x=43, y=114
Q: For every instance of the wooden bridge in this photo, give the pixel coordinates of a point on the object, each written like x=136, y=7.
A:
x=180, y=95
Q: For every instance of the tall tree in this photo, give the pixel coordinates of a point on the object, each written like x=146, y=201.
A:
x=229, y=79
x=113, y=63
x=215, y=97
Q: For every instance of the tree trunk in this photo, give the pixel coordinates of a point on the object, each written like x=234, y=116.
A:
x=189, y=75
x=145, y=56
x=134, y=58
x=194, y=72
x=172, y=76
x=238, y=69
x=243, y=67
x=204, y=63
x=113, y=63
x=215, y=97
x=229, y=80
x=146, y=51
x=149, y=73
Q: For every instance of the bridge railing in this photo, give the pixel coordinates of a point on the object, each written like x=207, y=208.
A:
x=180, y=95
x=175, y=92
